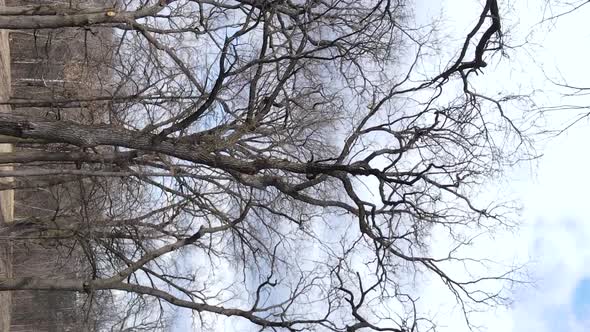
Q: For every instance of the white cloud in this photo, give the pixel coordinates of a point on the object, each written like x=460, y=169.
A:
x=554, y=191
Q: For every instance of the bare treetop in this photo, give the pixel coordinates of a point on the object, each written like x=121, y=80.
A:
x=283, y=162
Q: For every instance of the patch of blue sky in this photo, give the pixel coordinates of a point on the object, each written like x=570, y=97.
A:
x=581, y=301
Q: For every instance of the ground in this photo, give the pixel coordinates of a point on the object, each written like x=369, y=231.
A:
x=6, y=197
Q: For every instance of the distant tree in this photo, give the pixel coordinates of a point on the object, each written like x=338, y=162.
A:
x=282, y=162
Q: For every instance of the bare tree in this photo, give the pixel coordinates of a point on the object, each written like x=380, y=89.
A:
x=281, y=162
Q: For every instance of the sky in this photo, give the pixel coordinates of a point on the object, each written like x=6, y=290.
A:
x=554, y=238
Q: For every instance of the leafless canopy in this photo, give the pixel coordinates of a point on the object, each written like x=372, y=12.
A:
x=286, y=163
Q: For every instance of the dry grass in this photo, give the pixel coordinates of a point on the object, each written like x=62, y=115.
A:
x=6, y=197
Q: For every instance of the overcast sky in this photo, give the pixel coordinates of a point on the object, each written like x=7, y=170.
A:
x=555, y=234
